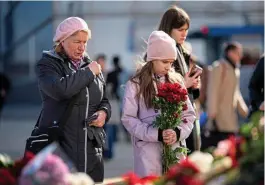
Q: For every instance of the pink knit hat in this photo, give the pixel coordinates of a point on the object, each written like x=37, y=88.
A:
x=68, y=27
x=161, y=47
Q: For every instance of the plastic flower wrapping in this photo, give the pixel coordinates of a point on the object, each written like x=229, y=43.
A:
x=52, y=166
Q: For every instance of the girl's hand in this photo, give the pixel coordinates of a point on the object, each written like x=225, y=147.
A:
x=169, y=136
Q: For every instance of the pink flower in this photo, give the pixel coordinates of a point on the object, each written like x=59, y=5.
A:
x=222, y=148
x=52, y=172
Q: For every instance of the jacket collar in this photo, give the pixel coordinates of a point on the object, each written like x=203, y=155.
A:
x=53, y=54
x=227, y=59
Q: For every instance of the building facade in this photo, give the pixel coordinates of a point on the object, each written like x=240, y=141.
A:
x=120, y=27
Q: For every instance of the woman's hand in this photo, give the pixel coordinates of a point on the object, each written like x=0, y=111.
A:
x=95, y=67
x=100, y=121
x=191, y=81
x=169, y=136
x=197, y=84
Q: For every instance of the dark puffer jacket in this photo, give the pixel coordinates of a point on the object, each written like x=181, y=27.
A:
x=58, y=82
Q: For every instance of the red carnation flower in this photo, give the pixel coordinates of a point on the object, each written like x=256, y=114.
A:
x=150, y=178
x=173, y=171
x=176, y=115
x=186, y=164
x=185, y=120
x=185, y=107
x=20, y=164
x=6, y=178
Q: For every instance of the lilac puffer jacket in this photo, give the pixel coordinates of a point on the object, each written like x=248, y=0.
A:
x=138, y=120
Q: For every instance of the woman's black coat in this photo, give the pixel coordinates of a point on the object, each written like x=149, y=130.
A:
x=58, y=82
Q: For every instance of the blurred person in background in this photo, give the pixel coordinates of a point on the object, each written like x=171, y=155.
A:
x=113, y=89
x=101, y=60
x=64, y=73
x=5, y=86
x=256, y=87
x=224, y=97
x=113, y=77
x=175, y=22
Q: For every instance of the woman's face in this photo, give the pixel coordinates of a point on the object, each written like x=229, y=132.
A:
x=235, y=55
x=162, y=67
x=180, y=34
x=75, y=45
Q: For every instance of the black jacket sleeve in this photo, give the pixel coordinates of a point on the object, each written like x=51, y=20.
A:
x=105, y=105
x=160, y=135
x=53, y=83
x=256, y=85
x=196, y=93
x=193, y=94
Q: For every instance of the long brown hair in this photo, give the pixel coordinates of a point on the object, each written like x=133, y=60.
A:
x=144, y=78
x=174, y=17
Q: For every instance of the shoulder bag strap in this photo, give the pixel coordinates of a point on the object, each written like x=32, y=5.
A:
x=37, y=124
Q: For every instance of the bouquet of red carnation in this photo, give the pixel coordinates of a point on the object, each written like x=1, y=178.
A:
x=132, y=179
x=170, y=99
x=183, y=173
x=9, y=175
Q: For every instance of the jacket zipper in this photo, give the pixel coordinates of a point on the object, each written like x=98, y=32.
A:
x=69, y=65
x=85, y=128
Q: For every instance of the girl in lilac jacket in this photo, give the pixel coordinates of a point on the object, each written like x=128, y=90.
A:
x=138, y=112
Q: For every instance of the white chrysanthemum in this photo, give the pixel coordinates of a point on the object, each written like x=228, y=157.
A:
x=203, y=161
x=5, y=159
x=79, y=179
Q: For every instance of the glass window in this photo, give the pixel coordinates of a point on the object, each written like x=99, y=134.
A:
x=28, y=15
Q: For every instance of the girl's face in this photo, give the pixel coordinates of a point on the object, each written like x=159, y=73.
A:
x=162, y=67
x=180, y=34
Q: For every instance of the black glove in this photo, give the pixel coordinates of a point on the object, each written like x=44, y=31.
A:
x=98, y=134
x=95, y=133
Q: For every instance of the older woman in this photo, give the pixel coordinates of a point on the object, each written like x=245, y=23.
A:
x=65, y=73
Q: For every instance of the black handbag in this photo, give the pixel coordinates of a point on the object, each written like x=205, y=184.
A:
x=39, y=139
x=96, y=134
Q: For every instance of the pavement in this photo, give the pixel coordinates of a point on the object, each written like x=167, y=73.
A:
x=16, y=124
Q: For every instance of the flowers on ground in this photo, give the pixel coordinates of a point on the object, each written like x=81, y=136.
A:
x=10, y=171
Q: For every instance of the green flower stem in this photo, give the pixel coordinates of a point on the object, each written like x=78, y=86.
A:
x=168, y=158
x=165, y=160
